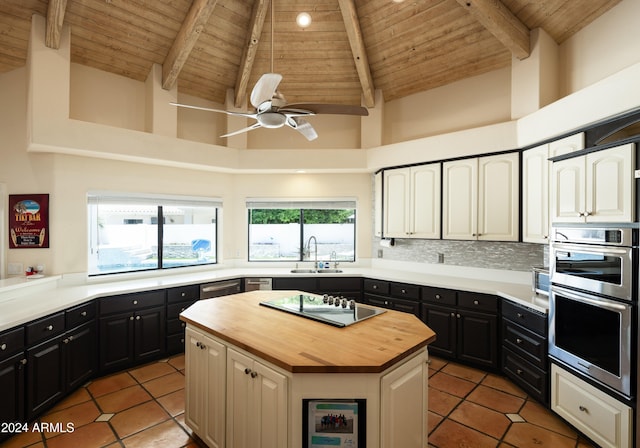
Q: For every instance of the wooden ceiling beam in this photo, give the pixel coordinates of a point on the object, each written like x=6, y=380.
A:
x=193, y=24
x=55, y=19
x=502, y=23
x=352, y=24
x=250, y=50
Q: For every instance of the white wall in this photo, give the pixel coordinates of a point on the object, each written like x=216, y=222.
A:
x=608, y=45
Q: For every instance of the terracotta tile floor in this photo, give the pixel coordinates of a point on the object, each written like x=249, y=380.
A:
x=144, y=407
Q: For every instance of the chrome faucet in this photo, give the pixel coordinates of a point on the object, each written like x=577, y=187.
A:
x=308, y=250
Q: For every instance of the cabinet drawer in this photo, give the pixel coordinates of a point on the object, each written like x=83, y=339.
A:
x=183, y=293
x=131, y=302
x=45, y=328
x=476, y=301
x=525, y=343
x=376, y=286
x=11, y=341
x=533, y=380
x=174, y=310
x=175, y=326
x=175, y=343
x=528, y=318
x=405, y=291
x=338, y=284
x=438, y=295
x=80, y=314
x=605, y=420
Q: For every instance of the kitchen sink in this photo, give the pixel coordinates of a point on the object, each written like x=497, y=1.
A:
x=329, y=271
x=303, y=271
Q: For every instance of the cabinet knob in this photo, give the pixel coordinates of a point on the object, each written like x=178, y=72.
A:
x=254, y=374
x=3, y=347
x=453, y=314
x=198, y=344
x=458, y=316
x=386, y=303
x=588, y=213
x=83, y=314
x=135, y=302
x=404, y=291
x=49, y=327
x=131, y=318
x=583, y=409
x=438, y=296
x=183, y=325
x=183, y=294
x=475, y=302
x=247, y=371
x=65, y=340
x=137, y=317
x=580, y=215
x=23, y=361
x=519, y=371
x=518, y=341
x=375, y=286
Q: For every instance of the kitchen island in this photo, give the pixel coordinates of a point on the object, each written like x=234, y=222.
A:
x=252, y=372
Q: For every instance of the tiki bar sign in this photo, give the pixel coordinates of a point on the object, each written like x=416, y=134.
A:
x=28, y=221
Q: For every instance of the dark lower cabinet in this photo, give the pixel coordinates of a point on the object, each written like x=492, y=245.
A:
x=466, y=326
x=12, y=377
x=131, y=337
x=45, y=376
x=81, y=360
x=394, y=296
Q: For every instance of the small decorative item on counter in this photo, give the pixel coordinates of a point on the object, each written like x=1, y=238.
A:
x=30, y=271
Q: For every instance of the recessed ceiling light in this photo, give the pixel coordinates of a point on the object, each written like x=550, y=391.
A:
x=303, y=20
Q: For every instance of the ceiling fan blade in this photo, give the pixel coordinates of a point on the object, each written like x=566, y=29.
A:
x=208, y=109
x=289, y=112
x=336, y=109
x=240, y=131
x=302, y=126
x=265, y=88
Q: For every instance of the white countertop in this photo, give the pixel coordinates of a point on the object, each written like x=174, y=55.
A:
x=23, y=300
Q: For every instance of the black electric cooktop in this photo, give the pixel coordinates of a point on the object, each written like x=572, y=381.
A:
x=336, y=311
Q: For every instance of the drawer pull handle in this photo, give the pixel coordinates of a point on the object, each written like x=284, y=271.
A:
x=3, y=347
x=135, y=302
x=83, y=314
x=49, y=327
x=583, y=409
x=518, y=341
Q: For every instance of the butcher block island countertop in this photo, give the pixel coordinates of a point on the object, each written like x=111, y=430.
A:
x=300, y=345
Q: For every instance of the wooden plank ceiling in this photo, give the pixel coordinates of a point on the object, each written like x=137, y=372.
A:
x=351, y=48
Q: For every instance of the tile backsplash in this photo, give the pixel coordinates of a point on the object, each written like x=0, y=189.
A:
x=481, y=254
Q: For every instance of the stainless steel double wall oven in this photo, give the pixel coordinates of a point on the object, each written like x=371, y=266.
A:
x=593, y=302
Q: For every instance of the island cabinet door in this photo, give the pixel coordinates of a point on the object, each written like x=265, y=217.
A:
x=403, y=407
x=257, y=414
x=205, y=387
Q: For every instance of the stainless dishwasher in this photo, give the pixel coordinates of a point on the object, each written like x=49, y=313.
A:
x=254, y=284
x=219, y=289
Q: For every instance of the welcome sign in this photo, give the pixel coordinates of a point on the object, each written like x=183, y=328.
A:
x=28, y=221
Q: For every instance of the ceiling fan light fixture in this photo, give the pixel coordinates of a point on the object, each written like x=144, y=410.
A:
x=271, y=119
x=303, y=19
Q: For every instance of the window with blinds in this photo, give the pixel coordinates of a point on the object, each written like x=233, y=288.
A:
x=130, y=233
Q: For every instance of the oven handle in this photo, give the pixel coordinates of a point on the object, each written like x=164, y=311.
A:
x=566, y=248
x=591, y=300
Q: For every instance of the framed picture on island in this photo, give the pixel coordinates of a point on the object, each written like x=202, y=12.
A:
x=334, y=423
x=28, y=221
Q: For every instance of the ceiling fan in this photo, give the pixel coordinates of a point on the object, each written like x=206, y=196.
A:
x=271, y=108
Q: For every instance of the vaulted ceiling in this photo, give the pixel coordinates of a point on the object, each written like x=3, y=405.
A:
x=351, y=48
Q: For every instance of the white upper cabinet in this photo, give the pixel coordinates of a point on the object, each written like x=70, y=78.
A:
x=411, y=202
x=480, y=198
x=596, y=187
x=535, y=194
x=377, y=204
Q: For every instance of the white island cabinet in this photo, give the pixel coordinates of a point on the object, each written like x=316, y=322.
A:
x=248, y=380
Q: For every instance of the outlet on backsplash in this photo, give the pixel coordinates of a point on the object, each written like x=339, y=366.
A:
x=15, y=269
x=440, y=257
